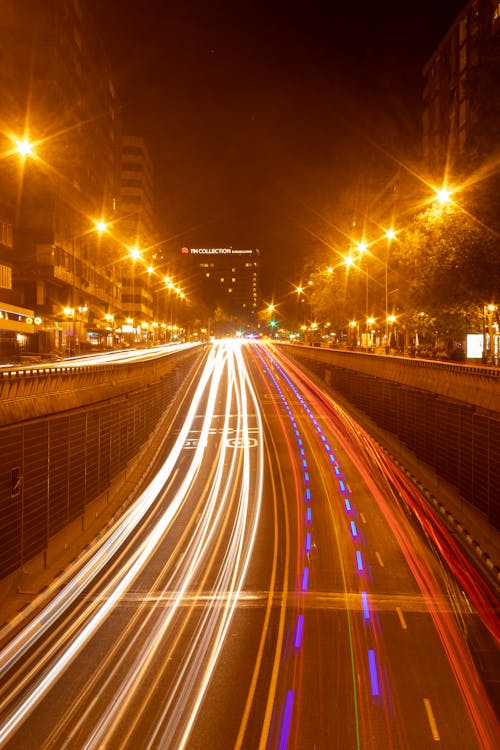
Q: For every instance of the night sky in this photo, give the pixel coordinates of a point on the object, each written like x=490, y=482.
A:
x=259, y=114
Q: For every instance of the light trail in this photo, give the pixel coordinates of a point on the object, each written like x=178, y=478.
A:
x=162, y=590
x=244, y=471
x=377, y=470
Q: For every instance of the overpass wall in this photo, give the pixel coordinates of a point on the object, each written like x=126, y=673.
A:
x=448, y=415
x=70, y=444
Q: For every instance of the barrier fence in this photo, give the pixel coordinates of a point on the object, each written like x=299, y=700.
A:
x=459, y=440
x=52, y=467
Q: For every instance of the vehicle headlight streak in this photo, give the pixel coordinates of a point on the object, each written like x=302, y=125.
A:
x=216, y=621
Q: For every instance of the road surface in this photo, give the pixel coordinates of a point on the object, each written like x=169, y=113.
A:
x=276, y=583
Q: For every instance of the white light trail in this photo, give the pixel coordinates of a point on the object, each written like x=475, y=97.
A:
x=236, y=482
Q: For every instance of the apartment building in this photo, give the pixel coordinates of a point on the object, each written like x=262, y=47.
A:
x=461, y=120
x=60, y=102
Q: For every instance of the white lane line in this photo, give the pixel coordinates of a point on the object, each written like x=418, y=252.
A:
x=432, y=720
x=380, y=561
x=401, y=618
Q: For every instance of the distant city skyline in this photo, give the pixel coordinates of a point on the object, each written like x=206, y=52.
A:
x=258, y=116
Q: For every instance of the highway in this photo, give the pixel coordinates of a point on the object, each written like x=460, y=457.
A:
x=277, y=582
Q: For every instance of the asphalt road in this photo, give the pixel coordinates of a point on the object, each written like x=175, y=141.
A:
x=278, y=583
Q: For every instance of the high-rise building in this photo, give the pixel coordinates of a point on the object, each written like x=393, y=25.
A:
x=461, y=124
x=225, y=279
x=58, y=95
x=137, y=232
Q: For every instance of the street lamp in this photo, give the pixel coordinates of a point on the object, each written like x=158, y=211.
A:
x=391, y=319
x=24, y=148
x=490, y=334
x=390, y=235
x=135, y=255
x=443, y=196
x=101, y=226
x=110, y=322
x=353, y=326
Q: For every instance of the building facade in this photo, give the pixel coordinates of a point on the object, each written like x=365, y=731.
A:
x=60, y=99
x=461, y=119
x=136, y=229
x=226, y=280
x=461, y=135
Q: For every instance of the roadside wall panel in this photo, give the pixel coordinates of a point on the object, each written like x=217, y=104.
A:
x=51, y=467
x=459, y=439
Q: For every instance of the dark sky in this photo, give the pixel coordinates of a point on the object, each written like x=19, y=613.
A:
x=258, y=114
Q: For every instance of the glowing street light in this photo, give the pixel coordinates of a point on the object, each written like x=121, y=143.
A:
x=101, y=226
x=443, y=196
x=24, y=148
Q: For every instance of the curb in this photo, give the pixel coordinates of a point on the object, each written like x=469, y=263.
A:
x=492, y=568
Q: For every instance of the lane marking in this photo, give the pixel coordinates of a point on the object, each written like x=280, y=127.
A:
x=431, y=720
x=362, y=517
x=364, y=601
x=359, y=561
x=287, y=720
x=299, y=631
x=305, y=578
x=401, y=618
x=380, y=561
x=372, y=663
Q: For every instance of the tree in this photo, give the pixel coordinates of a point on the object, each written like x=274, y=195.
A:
x=327, y=296
x=452, y=265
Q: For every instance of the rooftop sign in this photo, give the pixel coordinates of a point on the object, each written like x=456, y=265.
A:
x=215, y=251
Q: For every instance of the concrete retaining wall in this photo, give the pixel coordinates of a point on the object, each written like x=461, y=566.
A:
x=447, y=415
x=53, y=467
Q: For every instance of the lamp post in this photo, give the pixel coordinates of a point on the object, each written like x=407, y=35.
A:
x=490, y=334
x=353, y=329
x=390, y=235
x=69, y=312
x=110, y=322
x=361, y=248
x=135, y=254
x=391, y=319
